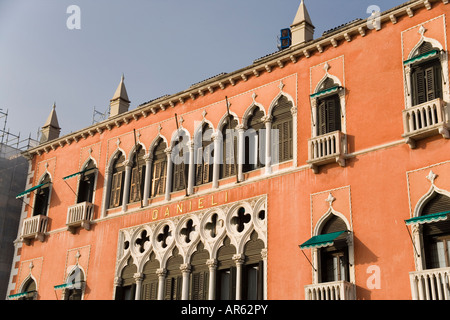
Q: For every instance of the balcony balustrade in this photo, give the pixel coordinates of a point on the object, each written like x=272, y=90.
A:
x=80, y=215
x=34, y=228
x=327, y=148
x=432, y=284
x=425, y=120
x=337, y=290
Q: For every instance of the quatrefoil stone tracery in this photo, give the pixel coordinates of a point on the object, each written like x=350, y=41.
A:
x=241, y=219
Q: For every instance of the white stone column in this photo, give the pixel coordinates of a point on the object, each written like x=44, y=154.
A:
x=241, y=151
x=138, y=277
x=264, y=258
x=315, y=262
x=148, y=178
x=107, y=192
x=126, y=187
x=212, y=266
x=268, y=156
x=217, y=140
x=161, y=282
x=239, y=260
x=191, y=175
x=169, y=165
x=186, y=272
x=294, y=135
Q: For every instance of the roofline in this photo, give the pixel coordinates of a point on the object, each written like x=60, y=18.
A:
x=266, y=64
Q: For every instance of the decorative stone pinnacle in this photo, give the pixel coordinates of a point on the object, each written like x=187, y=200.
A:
x=431, y=176
x=422, y=30
x=330, y=199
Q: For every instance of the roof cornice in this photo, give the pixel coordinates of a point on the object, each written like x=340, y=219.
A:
x=265, y=64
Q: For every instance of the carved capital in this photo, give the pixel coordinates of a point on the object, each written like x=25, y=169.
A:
x=185, y=268
x=211, y=263
x=161, y=272
x=138, y=277
x=239, y=259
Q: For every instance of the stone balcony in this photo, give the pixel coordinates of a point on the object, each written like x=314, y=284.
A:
x=34, y=228
x=432, y=284
x=426, y=120
x=80, y=215
x=327, y=148
x=337, y=290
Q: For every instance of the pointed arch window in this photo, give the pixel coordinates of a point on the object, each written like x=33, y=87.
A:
x=42, y=197
x=436, y=235
x=328, y=108
x=74, y=285
x=426, y=74
x=283, y=122
x=159, y=169
x=87, y=183
x=254, y=141
x=29, y=290
x=180, y=160
x=229, y=149
x=137, y=175
x=334, y=259
x=117, y=182
x=203, y=159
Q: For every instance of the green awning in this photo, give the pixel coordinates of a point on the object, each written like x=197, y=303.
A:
x=429, y=218
x=78, y=173
x=322, y=240
x=421, y=57
x=67, y=285
x=326, y=91
x=20, y=195
x=19, y=295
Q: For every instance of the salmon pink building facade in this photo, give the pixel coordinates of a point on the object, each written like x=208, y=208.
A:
x=321, y=171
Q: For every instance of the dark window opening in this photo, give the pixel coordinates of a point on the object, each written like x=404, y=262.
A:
x=42, y=197
x=86, y=186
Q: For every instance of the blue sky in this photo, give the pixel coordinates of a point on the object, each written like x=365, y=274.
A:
x=162, y=47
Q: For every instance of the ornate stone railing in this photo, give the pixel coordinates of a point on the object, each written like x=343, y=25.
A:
x=80, y=215
x=327, y=148
x=425, y=120
x=337, y=290
x=432, y=284
x=34, y=228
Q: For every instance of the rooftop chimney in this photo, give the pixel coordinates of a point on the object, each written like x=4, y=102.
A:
x=302, y=28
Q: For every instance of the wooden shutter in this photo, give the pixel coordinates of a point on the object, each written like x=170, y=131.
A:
x=116, y=189
x=321, y=119
x=136, y=184
x=420, y=85
x=199, y=285
x=426, y=82
x=207, y=166
x=430, y=86
x=199, y=167
x=159, y=178
x=150, y=291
